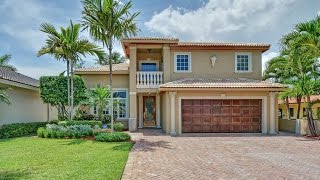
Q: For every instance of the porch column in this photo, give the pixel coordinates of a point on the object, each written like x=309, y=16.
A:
x=140, y=110
x=272, y=129
x=158, y=110
x=133, y=89
x=172, y=114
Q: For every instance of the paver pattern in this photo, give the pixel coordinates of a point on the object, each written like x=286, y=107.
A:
x=222, y=156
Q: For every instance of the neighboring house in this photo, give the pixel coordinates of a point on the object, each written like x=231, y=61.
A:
x=293, y=108
x=184, y=87
x=26, y=104
x=300, y=125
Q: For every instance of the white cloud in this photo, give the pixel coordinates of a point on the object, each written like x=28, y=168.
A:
x=219, y=18
x=266, y=57
x=23, y=20
x=37, y=72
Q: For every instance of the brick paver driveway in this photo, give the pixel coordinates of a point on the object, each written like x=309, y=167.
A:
x=222, y=156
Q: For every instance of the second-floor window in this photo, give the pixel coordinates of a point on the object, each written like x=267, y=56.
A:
x=243, y=62
x=182, y=62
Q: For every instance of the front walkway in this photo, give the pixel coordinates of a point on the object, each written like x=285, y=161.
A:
x=224, y=156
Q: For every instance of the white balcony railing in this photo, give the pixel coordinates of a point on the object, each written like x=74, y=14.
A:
x=149, y=79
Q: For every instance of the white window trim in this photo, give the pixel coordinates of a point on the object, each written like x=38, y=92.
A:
x=127, y=101
x=249, y=54
x=175, y=62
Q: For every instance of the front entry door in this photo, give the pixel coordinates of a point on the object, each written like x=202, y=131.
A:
x=149, y=111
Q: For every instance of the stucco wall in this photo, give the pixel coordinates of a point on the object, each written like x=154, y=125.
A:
x=26, y=106
x=223, y=68
x=118, y=80
x=291, y=126
x=287, y=125
x=214, y=95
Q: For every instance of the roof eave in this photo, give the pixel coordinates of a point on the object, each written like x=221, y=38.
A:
x=271, y=89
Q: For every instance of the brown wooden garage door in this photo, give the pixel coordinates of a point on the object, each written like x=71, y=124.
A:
x=236, y=115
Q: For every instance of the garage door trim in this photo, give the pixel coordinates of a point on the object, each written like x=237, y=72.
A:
x=264, y=107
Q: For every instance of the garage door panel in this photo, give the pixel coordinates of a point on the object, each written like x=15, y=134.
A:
x=256, y=120
x=216, y=103
x=206, y=120
x=215, y=120
x=226, y=111
x=206, y=110
x=196, y=110
x=234, y=115
x=196, y=120
x=196, y=128
x=216, y=111
x=245, y=119
x=206, y=128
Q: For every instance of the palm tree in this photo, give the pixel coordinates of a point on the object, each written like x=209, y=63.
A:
x=4, y=62
x=99, y=97
x=304, y=43
x=67, y=46
x=116, y=59
x=4, y=97
x=108, y=21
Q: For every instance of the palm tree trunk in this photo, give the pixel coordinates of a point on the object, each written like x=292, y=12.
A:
x=299, y=106
x=111, y=91
x=71, y=99
x=288, y=107
x=68, y=78
x=311, y=124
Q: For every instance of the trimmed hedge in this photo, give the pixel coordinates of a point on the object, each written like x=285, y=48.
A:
x=20, y=129
x=112, y=137
x=91, y=123
x=59, y=131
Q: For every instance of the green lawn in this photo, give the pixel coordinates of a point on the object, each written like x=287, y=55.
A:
x=36, y=158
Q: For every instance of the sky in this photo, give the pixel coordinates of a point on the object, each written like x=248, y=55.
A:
x=261, y=21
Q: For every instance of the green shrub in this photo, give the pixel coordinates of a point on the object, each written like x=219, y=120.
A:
x=59, y=131
x=20, y=129
x=70, y=123
x=112, y=137
x=118, y=127
x=40, y=132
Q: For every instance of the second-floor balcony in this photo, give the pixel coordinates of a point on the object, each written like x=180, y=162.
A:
x=149, y=79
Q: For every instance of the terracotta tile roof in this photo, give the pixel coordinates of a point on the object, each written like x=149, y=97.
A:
x=152, y=38
x=221, y=83
x=115, y=67
x=226, y=44
x=294, y=100
x=13, y=76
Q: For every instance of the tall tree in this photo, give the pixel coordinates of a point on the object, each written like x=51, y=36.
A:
x=115, y=59
x=107, y=22
x=4, y=62
x=67, y=46
x=4, y=98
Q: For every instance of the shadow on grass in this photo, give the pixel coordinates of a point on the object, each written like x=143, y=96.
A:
x=15, y=174
x=74, y=142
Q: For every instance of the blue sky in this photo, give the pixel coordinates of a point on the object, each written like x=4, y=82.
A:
x=190, y=20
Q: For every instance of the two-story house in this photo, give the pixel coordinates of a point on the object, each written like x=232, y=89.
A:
x=184, y=87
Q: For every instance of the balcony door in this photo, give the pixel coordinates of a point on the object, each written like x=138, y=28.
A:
x=148, y=66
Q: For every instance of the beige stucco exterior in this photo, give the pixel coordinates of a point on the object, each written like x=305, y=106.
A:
x=315, y=108
x=118, y=80
x=162, y=53
x=26, y=106
x=223, y=68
